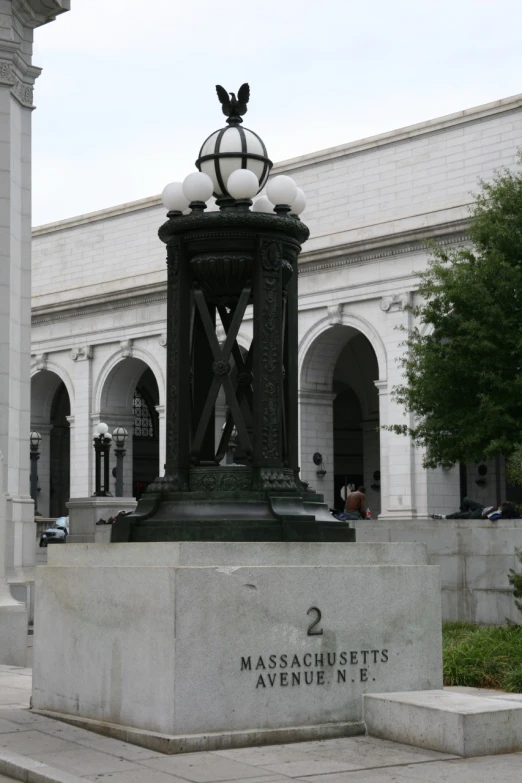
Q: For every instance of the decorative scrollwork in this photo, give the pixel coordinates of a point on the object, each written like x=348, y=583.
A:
x=277, y=479
x=223, y=479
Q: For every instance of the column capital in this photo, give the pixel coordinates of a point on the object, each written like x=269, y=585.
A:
x=382, y=386
x=17, y=74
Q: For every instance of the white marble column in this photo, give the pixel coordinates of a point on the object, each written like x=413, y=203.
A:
x=371, y=463
x=162, y=439
x=18, y=18
x=82, y=452
x=316, y=435
x=398, y=497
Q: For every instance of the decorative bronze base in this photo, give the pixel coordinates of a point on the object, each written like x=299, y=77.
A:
x=231, y=503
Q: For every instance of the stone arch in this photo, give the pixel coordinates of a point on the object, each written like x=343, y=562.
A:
x=340, y=364
x=114, y=373
x=129, y=387
x=337, y=342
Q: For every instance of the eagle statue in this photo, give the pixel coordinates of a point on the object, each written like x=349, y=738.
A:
x=233, y=107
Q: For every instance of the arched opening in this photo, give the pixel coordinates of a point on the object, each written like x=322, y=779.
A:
x=50, y=409
x=145, y=439
x=129, y=399
x=339, y=404
x=356, y=422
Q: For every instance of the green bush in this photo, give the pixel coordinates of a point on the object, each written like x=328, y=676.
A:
x=515, y=580
x=483, y=657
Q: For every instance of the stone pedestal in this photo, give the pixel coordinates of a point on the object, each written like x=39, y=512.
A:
x=226, y=644
x=84, y=513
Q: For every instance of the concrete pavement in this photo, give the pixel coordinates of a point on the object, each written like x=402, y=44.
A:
x=40, y=750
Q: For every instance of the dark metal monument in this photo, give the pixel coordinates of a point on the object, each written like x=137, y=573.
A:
x=221, y=263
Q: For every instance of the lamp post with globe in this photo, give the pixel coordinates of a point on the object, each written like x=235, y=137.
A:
x=34, y=442
x=219, y=263
x=119, y=437
x=102, y=444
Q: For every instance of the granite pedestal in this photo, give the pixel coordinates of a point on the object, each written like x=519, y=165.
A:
x=224, y=644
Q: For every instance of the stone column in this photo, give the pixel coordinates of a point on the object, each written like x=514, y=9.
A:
x=82, y=453
x=162, y=440
x=398, y=499
x=18, y=18
x=316, y=428
x=371, y=463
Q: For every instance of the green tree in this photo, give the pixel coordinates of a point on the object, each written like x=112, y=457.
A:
x=463, y=361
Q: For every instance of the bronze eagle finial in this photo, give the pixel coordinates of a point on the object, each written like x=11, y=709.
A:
x=233, y=107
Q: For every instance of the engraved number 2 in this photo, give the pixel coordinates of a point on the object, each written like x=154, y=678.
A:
x=317, y=612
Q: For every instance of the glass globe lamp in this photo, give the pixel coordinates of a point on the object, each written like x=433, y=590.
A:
x=34, y=440
x=243, y=184
x=173, y=198
x=298, y=205
x=120, y=435
x=281, y=190
x=263, y=205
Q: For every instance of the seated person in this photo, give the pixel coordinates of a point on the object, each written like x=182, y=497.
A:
x=355, y=506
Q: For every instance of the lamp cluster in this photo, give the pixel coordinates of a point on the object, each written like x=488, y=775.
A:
x=101, y=433
x=282, y=194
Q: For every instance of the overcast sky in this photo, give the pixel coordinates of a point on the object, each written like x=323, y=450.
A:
x=127, y=93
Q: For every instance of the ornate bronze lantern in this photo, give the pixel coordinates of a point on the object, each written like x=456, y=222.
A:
x=220, y=263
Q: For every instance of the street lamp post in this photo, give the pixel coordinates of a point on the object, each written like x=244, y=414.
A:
x=34, y=441
x=225, y=265
x=102, y=444
x=119, y=437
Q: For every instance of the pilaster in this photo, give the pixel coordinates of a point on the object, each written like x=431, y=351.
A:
x=397, y=451
x=316, y=416
x=18, y=18
x=81, y=433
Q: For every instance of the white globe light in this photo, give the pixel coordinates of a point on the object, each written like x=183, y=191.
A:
x=298, y=205
x=197, y=187
x=102, y=428
x=242, y=184
x=174, y=200
x=263, y=205
x=281, y=190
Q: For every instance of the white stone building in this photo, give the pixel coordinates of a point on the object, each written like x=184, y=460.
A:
x=99, y=309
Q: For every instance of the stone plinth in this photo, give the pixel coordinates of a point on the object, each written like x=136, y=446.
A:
x=84, y=513
x=474, y=555
x=220, y=640
x=468, y=724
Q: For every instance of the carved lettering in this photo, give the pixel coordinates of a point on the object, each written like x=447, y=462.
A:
x=320, y=668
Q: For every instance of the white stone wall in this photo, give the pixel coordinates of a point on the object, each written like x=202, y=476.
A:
x=99, y=281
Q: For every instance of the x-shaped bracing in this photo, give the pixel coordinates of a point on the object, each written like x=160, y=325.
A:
x=221, y=356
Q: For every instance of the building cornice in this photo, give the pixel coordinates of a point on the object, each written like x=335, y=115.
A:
x=101, y=303
x=34, y=13
x=314, y=262
x=391, y=245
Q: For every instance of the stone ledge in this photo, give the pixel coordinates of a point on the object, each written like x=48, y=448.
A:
x=22, y=768
x=447, y=721
x=191, y=743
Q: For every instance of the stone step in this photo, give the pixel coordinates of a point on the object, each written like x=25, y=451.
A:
x=448, y=721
